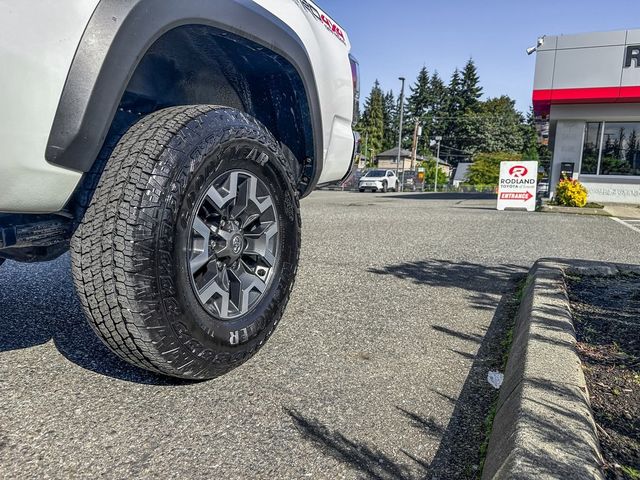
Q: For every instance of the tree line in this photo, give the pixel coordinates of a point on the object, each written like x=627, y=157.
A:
x=455, y=111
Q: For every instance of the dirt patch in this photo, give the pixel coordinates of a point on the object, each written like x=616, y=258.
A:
x=607, y=318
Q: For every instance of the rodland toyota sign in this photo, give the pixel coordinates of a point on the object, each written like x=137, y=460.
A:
x=518, y=185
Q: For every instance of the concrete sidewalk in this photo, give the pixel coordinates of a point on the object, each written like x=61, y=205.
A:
x=623, y=211
x=618, y=210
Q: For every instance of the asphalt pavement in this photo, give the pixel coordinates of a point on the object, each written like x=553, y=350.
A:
x=371, y=374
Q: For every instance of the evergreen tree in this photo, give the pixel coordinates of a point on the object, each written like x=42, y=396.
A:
x=418, y=106
x=530, y=137
x=420, y=99
x=470, y=89
x=465, y=93
x=438, y=110
x=455, y=104
x=544, y=154
x=390, y=137
x=454, y=111
x=371, y=126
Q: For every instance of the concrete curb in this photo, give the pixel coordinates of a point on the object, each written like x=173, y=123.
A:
x=337, y=188
x=600, y=212
x=544, y=427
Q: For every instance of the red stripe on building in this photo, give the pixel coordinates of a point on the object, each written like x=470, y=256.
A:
x=543, y=99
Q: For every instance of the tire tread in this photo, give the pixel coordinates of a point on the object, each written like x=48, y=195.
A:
x=107, y=269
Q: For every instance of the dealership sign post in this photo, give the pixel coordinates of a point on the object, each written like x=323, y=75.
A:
x=518, y=186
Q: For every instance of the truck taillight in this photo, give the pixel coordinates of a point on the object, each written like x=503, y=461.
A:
x=355, y=74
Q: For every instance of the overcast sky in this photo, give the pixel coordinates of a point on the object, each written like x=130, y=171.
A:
x=396, y=38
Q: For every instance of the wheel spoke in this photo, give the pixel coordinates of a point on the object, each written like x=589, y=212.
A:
x=258, y=244
x=243, y=285
x=251, y=284
x=263, y=203
x=243, y=197
x=223, y=279
x=203, y=257
x=209, y=290
x=200, y=261
x=219, y=286
x=249, y=220
x=267, y=228
x=226, y=236
x=201, y=228
x=221, y=196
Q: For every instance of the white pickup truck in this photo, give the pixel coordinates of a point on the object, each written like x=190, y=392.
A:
x=167, y=145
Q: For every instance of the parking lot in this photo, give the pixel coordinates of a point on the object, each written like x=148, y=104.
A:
x=374, y=372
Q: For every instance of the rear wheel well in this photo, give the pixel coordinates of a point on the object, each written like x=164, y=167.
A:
x=197, y=64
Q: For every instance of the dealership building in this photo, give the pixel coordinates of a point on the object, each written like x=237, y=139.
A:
x=588, y=88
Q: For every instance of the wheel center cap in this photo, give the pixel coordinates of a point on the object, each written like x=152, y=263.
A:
x=237, y=243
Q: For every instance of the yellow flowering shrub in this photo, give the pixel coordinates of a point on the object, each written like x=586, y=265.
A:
x=571, y=193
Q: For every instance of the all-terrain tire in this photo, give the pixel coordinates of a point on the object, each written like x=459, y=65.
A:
x=129, y=263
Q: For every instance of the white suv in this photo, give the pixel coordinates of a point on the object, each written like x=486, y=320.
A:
x=379, y=181
x=167, y=144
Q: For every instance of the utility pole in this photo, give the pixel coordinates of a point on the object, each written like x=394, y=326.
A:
x=366, y=144
x=414, y=148
x=435, y=184
x=402, y=79
x=417, y=133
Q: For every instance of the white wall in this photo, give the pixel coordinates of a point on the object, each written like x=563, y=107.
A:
x=613, y=192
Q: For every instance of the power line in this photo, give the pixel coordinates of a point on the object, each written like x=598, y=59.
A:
x=457, y=149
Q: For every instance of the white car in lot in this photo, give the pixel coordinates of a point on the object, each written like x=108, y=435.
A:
x=379, y=181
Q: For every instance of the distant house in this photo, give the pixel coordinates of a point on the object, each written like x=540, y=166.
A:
x=389, y=159
x=445, y=167
x=462, y=174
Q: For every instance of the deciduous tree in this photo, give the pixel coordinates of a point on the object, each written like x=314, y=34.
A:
x=494, y=126
x=485, y=169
